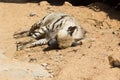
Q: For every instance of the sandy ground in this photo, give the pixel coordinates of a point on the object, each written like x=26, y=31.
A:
x=88, y=61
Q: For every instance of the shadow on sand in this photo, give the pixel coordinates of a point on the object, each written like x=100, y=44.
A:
x=113, y=10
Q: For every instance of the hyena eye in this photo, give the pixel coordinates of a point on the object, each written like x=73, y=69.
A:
x=71, y=29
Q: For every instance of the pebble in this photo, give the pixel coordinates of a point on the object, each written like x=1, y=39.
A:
x=32, y=60
x=44, y=64
x=50, y=71
x=114, y=61
x=118, y=44
x=32, y=14
x=51, y=76
x=59, y=56
x=48, y=68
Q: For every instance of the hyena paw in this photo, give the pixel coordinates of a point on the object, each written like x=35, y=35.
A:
x=19, y=46
x=23, y=45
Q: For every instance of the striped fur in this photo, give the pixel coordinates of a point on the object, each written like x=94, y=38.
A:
x=55, y=25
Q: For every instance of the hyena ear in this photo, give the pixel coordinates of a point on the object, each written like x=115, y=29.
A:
x=71, y=29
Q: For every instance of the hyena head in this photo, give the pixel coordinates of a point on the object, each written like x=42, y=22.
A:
x=64, y=41
x=64, y=38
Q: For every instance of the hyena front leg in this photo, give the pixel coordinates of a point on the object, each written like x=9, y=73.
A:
x=30, y=44
x=24, y=43
x=37, y=43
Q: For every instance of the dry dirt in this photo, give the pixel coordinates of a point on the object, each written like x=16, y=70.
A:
x=88, y=61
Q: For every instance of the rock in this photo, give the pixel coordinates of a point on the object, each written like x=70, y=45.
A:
x=50, y=71
x=114, y=60
x=32, y=60
x=32, y=14
x=16, y=70
x=44, y=64
x=20, y=70
x=51, y=76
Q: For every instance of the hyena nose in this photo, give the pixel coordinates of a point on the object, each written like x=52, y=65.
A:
x=53, y=43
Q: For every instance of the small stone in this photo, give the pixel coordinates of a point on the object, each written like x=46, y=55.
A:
x=44, y=64
x=48, y=68
x=118, y=44
x=18, y=42
x=113, y=32
x=32, y=60
x=114, y=62
x=51, y=76
x=50, y=71
x=32, y=14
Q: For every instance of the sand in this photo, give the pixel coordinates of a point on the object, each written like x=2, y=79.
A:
x=88, y=61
